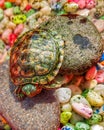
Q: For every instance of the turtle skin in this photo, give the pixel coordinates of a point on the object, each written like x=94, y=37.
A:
x=63, y=44
x=35, y=60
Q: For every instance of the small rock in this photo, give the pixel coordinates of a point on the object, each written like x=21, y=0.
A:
x=97, y=127
x=8, y=12
x=66, y=107
x=84, y=12
x=63, y=95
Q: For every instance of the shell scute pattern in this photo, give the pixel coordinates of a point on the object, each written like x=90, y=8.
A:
x=37, y=57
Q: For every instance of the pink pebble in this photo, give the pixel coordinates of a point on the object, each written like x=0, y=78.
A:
x=100, y=76
x=81, y=4
x=2, y=3
x=90, y=4
x=5, y=35
x=82, y=110
x=8, y=12
x=19, y=29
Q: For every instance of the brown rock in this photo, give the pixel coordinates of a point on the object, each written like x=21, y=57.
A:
x=38, y=113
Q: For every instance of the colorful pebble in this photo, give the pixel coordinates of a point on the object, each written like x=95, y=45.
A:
x=82, y=110
x=90, y=84
x=64, y=117
x=97, y=127
x=2, y=3
x=99, y=89
x=30, y=12
x=12, y=39
x=71, y=7
x=16, y=10
x=82, y=126
x=68, y=126
x=1, y=14
x=28, y=7
x=100, y=76
x=91, y=73
x=17, y=19
x=5, y=35
x=90, y=96
x=8, y=5
x=18, y=29
x=96, y=118
x=63, y=95
x=66, y=107
x=79, y=99
x=75, y=118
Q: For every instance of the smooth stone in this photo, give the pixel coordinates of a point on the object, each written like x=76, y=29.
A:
x=63, y=95
x=39, y=113
x=97, y=127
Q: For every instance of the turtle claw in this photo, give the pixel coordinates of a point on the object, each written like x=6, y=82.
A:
x=19, y=94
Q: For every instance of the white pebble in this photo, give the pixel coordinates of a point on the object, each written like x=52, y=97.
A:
x=97, y=127
x=63, y=95
x=66, y=107
x=99, y=89
x=8, y=12
x=84, y=12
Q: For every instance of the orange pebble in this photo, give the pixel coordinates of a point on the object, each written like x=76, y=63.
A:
x=3, y=120
x=102, y=63
x=11, y=1
x=91, y=73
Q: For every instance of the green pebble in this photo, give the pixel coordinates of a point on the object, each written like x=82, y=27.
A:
x=96, y=118
x=102, y=17
x=16, y=10
x=7, y=127
x=1, y=14
x=64, y=117
x=82, y=126
x=8, y=4
x=2, y=45
x=30, y=12
x=17, y=19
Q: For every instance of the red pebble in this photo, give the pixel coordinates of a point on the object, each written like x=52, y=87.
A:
x=12, y=39
x=91, y=73
x=28, y=7
x=2, y=3
x=100, y=76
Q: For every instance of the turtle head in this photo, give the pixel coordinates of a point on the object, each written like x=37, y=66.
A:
x=31, y=90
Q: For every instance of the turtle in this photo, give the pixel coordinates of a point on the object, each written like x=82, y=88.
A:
x=61, y=46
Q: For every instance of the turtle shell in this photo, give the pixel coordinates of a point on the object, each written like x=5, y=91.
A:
x=36, y=57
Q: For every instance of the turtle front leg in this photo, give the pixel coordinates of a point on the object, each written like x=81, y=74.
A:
x=19, y=94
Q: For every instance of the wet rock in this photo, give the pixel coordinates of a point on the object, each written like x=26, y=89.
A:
x=38, y=113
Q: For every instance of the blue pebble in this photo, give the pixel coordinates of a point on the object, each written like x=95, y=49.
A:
x=57, y=7
x=102, y=57
x=66, y=128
